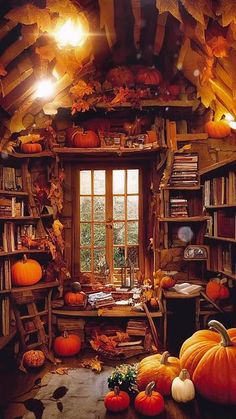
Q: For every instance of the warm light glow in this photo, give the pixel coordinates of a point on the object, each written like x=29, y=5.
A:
x=71, y=34
x=232, y=125
x=44, y=89
x=229, y=117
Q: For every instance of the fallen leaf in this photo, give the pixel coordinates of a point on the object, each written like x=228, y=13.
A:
x=61, y=371
x=94, y=363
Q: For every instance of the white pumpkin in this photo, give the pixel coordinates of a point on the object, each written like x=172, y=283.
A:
x=182, y=389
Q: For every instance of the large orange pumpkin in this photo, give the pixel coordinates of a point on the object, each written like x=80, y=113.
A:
x=26, y=272
x=33, y=359
x=210, y=358
x=159, y=368
x=67, y=345
x=31, y=148
x=149, y=402
x=217, y=291
x=149, y=76
x=79, y=139
x=218, y=129
x=116, y=400
x=120, y=76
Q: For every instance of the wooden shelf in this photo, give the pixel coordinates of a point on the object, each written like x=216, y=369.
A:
x=31, y=155
x=71, y=152
x=13, y=193
x=104, y=313
x=195, y=219
x=191, y=137
x=224, y=239
x=5, y=291
x=155, y=103
x=23, y=251
x=4, y=340
x=222, y=164
x=20, y=219
x=182, y=188
x=220, y=206
x=39, y=286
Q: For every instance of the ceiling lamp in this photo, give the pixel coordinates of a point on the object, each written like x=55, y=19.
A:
x=229, y=117
x=44, y=89
x=71, y=34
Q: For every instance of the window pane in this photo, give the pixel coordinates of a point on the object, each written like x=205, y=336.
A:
x=99, y=182
x=119, y=257
x=119, y=233
x=99, y=260
x=118, y=208
x=132, y=232
x=132, y=207
x=118, y=181
x=132, y=180
x=99, y=235
x=132, y=255
x=85, y=234
x=85, y=182
x=85, y=208
x=99, y=208
x=85, y=260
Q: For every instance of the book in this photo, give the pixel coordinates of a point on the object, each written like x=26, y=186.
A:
x=187, y=288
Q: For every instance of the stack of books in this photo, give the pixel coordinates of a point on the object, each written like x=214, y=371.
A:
x=101, y=299
x=184, y=170
x=137, y=328
x=11, y=208
x=178, y=207
x=5, y=275
x=220, y=190
x=10, y=179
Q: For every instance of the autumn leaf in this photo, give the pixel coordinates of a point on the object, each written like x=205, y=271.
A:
x=61, y=371
x=120, y=96
x=94, y=363
x=170, y=6
x=80, y=106
x=196, y=9
x=81, y=89
x=227, y=11
x=29, y=14
x=60, y=392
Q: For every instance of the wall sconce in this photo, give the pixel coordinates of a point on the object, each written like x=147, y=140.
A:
x=44, y=89
x=71, y=34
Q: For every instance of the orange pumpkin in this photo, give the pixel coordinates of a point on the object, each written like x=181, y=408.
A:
x=149, y=402
x=116, y=400
x=79, y=139
x=26, y=272
x=218, y=129
x=167, y=282
x=74, y=298
x=149, y=76
x=67, y=345
x=162, y=369
x=120, y=76
x=31, y=148
x=210, y=358
x=33, y=359
x=216, y=291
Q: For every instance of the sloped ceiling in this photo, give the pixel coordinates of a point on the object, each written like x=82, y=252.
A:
x=196, y=37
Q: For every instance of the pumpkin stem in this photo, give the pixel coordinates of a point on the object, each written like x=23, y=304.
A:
x=164, y=357
x=24, y=258
x=184, y=375
x=218, y=327
x=65, y=334
x=149, y=388
x=116, y=390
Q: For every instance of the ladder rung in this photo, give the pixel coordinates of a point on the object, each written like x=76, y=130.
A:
x=31, y=316
x=34, y=345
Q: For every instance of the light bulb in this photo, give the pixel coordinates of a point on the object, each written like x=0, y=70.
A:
x=229, y=117
x=44, y=89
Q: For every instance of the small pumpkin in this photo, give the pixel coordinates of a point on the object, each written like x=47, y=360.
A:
x=79, y=139
x=33, y=359
x=116, y=400
x=67, y=344
x=74, y=298
x=120, y=76
x=217, y=291
x=31, y=148
x=26, y=272
x=218, y=129
x=210, y=358
x=149, y=402
x=149, y=76
x=167, y=282
x=162, y=369
x=182, y=389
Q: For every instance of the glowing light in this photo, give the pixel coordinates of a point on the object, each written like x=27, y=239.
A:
x=71, y=34
x=44, y=89
x=229, y=117
x=232, y=125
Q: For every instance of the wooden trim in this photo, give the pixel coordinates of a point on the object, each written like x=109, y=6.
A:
x=219, y=165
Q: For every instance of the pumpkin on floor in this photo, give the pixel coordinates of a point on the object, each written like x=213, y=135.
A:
x=218, y=129
x=162, y=369
x=26, y=272
x=216, y=290
x=67, y=344
x=33, y=359
x=82, y=139
x=116, y=400
x=149, y=402
x=210, y=358
x=182, y=389
x=31, y=148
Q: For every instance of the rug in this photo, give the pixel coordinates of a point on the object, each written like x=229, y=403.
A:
x=78, y=394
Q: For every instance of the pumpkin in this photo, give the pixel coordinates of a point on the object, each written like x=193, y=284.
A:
x=74, y=298
x=149, y=76
x=210, y=358
x=79, y=139
x=182, y=389
x=116, y=400
x=218, y=129
x=26, y=272
x=216, y=291
x=120, y=76
x=31, y=148
x=149, y=402
x=167, y=282
x=33, y=359
x=67, y=345
x=160, y=368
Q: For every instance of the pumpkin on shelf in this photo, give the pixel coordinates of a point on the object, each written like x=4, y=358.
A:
x=149, y=76
x=77, y=138
x=31, y=148
x=162, y=369
x=116, y=400
x=120, y=76
x=210, y=358
x=26, y=272
x=215, y=290
x=75, y=297
x=218, y=129
x=167, y=282
x=182, y=389
x=149, y=402
x=67, y=344
x=33, y=359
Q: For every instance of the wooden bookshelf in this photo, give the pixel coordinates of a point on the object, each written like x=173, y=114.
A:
x=41, y=155
x=194, y=219
x=23, y=251
x=38, y=286
x=224, y=239
x=220, y=206
x=13, y=193
x=26, y=218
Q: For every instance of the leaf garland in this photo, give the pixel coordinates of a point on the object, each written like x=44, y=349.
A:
x=227, y=11
x=170, y=6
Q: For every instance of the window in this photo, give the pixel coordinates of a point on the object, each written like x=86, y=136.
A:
x=108, y=214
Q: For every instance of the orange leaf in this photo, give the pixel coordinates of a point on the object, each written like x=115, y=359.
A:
x=170, y=6
x=80, y=106
x=81, y=89
x=227, y=11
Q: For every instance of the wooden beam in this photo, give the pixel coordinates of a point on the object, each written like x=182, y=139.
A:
x=19, y=94
x=5, y=27
x=16, y=76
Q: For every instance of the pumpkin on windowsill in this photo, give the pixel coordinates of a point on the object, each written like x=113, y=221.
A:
x=75, y=297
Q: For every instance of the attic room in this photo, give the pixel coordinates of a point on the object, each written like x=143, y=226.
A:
x=117, y=209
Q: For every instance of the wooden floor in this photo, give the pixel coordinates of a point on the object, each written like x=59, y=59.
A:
x=14, y=383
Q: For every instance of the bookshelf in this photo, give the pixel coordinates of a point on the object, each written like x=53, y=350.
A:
x=219, y=201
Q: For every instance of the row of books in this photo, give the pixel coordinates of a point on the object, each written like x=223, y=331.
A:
x=5, y=274
x=184, y=170
x=220, y=190
x=178, y=207
x=11, y=207
x=223, y=258
x=10, y=179
x=222, y=223
x=11, y=234
x=5, y=316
